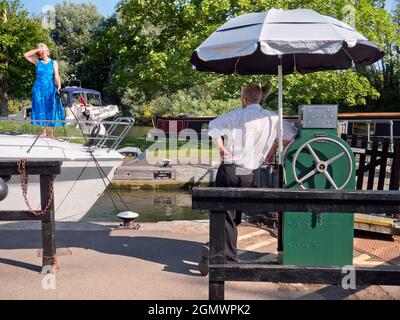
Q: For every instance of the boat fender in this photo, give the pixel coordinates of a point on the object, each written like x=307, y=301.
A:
x=3, y=190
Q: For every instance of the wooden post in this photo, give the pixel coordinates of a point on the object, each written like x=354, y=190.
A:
x=47, y=170
x=48, y=225
x=373, y=164
x=361, y=164
x=384, y=160
x=217, y=254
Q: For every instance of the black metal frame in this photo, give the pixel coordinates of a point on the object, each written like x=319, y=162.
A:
x=288, y=200
x=47, y=170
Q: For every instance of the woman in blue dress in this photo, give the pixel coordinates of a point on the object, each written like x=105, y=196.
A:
x=46, y=104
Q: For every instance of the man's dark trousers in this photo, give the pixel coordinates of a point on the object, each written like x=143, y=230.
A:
x=231, y=176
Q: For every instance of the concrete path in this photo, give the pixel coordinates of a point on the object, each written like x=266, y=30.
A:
x=157, y=262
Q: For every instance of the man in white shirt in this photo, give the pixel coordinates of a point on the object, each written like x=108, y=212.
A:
x=250, y=136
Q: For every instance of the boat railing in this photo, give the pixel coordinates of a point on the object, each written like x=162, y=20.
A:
x=112, y=134
x=83, y=131
x=345, y=126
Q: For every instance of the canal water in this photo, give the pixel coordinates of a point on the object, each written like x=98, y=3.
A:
x=151, y=205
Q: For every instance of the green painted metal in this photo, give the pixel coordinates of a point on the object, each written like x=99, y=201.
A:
x=319, y=239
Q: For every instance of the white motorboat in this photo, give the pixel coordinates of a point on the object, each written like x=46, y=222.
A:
x=81, y=181
x=84, y=104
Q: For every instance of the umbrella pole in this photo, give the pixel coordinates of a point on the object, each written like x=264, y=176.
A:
x=280, y=108
x=280, y=148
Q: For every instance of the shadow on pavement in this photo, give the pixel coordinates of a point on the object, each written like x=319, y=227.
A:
x=165, y=251
x=21, y=264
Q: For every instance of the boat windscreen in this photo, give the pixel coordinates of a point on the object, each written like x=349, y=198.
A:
x=93, y=99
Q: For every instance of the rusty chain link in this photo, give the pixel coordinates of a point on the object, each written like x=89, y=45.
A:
x=23, y=178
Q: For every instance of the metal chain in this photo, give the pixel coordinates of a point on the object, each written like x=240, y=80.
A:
x=23, y=178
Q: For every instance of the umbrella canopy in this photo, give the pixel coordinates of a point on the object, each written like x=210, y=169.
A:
x=280, y=42
x=305, y=40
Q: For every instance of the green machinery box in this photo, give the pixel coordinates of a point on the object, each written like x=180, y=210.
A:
x=318, y=159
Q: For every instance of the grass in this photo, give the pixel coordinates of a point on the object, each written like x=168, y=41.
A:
x=28, y=128
x=23, y=127
x=142, y=143
x=166, y=148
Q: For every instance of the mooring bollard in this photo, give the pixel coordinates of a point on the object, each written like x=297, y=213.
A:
x=128, y=218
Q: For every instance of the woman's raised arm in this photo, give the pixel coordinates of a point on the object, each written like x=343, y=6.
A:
x=57, y=79
x=31, y=56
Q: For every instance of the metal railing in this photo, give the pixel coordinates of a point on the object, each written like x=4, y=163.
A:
x=345, y=127
x=115, y=131
x=127, y=123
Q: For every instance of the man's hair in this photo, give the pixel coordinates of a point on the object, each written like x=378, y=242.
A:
x=252, y=92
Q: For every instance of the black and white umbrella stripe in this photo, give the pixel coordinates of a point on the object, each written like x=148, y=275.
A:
x=305, y=40
x=280, y=42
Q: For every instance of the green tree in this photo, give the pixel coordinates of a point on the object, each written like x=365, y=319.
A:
x=148, y=45
x=348, y=88
x=75, y=27
x=154, y=43
x=385, y=75
x=102, y=54
x=18, y=34
x=197, y=100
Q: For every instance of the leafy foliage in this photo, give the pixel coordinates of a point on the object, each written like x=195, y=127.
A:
x=385, y=75
x=18, y=34
x=75, y=26
x=16, y=105
x=152, y=42
x=195, y=101
x=139, y=58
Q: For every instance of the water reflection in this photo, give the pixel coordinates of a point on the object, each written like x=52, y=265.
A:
x=151, y=205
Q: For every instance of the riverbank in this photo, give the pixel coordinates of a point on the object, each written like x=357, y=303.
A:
x=139, y=174
x=159, y=261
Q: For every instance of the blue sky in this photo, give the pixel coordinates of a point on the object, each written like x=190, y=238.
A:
x=390, y=4
x=106, y=7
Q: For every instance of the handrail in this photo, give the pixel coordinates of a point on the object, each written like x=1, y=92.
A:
x=111, y=135
x=67, y=121
x=126, y=122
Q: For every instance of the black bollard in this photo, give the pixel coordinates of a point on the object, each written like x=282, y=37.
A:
x=3, y=190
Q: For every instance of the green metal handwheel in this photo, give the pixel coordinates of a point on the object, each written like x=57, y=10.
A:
x=321, y=165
